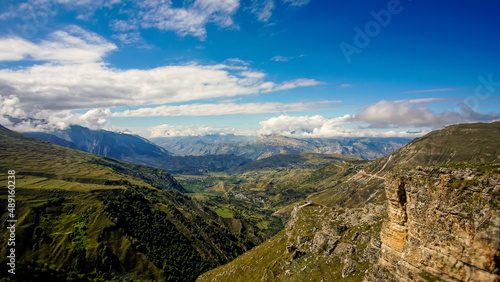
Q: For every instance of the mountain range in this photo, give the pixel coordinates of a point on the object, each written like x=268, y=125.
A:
x=81, y=216
x=268, y=145
x=200, y=154
x=427, y=212
x=135, y=149
x=84, y=216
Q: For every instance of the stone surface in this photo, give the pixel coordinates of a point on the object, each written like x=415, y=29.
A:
x=442, y=222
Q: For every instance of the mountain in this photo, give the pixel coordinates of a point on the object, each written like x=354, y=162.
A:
x=268, y=145
x=456, y=143
x=202, y=145
x=427, y=212
x=474, y=142
x=126, y=147
x=135, y=149
x=53, y=139
x=82, y=216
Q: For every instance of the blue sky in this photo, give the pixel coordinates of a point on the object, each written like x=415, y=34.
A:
x=299, y=68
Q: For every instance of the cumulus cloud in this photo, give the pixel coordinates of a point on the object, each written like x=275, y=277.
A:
x=305, y=126
x=74, y=76
x=10, y=107
x=77, y=78
x=13, y=117
x=166, y=130
x=402, y=117
x=321, y=127
x=386, y=114
x=91, y=85
x=224, y=109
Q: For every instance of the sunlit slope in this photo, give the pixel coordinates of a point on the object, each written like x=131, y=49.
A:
x=82, y=216
x=32, y=157
x=474, y=142
x=478, y=142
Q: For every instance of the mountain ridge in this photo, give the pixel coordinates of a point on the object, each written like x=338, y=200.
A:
x=268, y=145
x=135, y=149
x=316, y=245
x=82, y=216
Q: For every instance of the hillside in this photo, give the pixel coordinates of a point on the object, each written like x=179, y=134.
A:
x=268, y=145
x=476, y=142
x=426, y=223
x=457, y=143
x=431, y=238
x=82, y=216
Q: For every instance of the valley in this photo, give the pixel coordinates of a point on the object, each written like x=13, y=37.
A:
x=84, y=216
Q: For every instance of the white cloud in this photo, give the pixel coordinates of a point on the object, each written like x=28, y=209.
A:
x=430, y=90
x=186, y=21
x=297, y=3
x=280, y=59
x=166, y=130
x=47, y=120
x=300, y=82
x=91, y=85
x=10, y=107
x=73, y=45
x=74, y=76
x=403, y=117
x=263, y=9
x=306, y=126
x=236, y=61
x=224, y=109
x=132, y=38
x=42, y=9
x=386, y=114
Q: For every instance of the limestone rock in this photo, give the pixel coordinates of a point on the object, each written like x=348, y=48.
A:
x=442, y=222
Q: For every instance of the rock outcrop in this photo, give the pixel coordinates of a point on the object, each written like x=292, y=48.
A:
x=443, y=223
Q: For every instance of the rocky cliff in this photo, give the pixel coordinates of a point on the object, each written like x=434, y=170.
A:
x=443, y=223
x=319, y=244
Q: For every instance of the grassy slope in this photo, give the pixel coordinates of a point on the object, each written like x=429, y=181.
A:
x=457, y=143
x=477, y=142
x=84, y=215
x=271, y=261
x=32, y=157
x=268, y=262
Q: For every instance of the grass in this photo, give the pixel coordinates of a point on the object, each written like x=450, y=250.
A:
x=224, y=212
x=271, y=262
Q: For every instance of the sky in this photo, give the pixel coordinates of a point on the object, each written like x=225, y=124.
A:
x=300, y=68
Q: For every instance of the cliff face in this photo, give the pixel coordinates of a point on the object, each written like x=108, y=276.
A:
x=443, y=223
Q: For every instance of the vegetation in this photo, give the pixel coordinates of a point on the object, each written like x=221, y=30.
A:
x=85, y=217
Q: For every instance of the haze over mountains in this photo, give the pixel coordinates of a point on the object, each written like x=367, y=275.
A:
x=268, y=145
x=135, y=149
x=212, y=152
